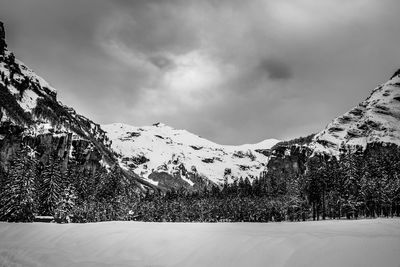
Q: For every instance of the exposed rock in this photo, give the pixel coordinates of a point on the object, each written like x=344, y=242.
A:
x=397, y=73
x=209, y=160
x=287, y=163
x=265, y=152
x=168, y=181
x=3, y=44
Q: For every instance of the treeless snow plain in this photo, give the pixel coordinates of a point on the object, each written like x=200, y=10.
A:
x=325, y=243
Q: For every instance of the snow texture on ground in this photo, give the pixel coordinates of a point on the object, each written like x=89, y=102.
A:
x=326, y=243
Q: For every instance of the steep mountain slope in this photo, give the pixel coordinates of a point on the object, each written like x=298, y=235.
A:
x=374, y=121
x=31, y=114
x=162, y=149
x=28, y=103
x=377, y=119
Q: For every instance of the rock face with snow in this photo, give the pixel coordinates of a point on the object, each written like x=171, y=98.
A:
x=30, y=113
x=160, y=149
x=3, y=44
x=375, y=120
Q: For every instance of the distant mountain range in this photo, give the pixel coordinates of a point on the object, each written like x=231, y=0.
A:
x=151, y=150
x=160, y=156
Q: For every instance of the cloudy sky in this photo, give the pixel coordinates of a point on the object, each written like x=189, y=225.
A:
x=232, y=71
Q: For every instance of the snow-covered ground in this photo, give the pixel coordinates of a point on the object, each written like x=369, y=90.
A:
x=326, y=243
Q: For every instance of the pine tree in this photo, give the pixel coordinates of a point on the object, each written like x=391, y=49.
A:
x=51, y=186
x=3, y=178
x=392, y=187
x=112, y=186
x=66, y=205
x=314, y=184
x=17, y=195
x=78, y=178
x=334, y=181
x=97, y=182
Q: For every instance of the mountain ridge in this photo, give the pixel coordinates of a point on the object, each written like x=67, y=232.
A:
x=161, y=148
x=160, y=156
x=376, y=119
x=30, y=114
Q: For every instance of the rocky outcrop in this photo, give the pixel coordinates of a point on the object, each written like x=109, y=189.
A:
x=46, y=145
x=191, y=181
x=286, y=163
x=3, y=44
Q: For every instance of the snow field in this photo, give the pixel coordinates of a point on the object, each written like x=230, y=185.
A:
x=325, y=243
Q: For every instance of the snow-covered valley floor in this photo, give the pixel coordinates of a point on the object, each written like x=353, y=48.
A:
x=324, y=243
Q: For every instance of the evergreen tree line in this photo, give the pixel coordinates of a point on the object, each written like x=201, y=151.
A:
x=356, y=184
x=359, y=183
x=30, y=188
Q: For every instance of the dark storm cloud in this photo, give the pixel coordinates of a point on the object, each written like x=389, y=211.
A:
x=276, y=70
x=229, y=70
x=162, y=62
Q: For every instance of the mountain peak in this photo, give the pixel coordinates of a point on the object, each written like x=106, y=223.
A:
x=3, y=44
x=2, y=31
x=397, y=73
x=375, y=120
x=149, y=150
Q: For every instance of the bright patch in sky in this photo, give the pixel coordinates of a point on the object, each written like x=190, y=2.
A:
x=194, y=71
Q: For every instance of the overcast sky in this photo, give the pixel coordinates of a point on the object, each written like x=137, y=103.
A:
x=232, y=71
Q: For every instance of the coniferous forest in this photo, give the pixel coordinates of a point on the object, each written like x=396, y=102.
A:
x=357, y=184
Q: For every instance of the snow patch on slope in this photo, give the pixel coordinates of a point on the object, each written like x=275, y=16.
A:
x=377, y=119
x=27, y=72
x=160, y=148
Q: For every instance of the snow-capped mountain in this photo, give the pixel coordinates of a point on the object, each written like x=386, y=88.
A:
x=29, y=103
x=160, y=148
x=162, y=156
x=375, y=120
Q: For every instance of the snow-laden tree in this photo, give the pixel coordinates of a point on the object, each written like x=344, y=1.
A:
x=17, y=194
x=51, y=181
x=66, y=205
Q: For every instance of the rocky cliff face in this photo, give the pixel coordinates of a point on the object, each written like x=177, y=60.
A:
x=3, y=44
x=31, y=114
x=288, y=161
